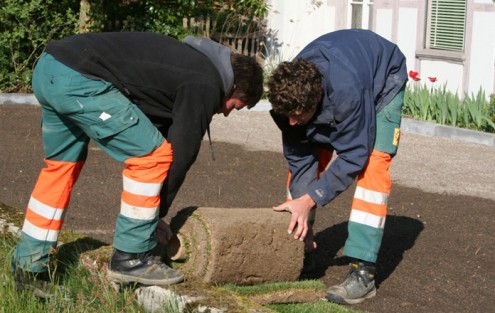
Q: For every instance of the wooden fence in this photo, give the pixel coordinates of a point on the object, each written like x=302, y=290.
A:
x=248, y=43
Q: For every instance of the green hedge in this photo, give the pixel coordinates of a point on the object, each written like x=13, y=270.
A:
x=26, y=26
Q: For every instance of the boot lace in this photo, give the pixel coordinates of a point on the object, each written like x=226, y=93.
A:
x=356, y=274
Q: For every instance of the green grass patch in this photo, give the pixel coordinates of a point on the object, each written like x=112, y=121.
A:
x=311, y=290
x=315, y=307
x=88, y=292
x=315, y=285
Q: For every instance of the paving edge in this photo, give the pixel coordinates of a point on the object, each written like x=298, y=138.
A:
x=408, y=125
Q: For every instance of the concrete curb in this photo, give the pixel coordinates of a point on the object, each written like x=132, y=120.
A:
x=408, y=125
x=18, y=99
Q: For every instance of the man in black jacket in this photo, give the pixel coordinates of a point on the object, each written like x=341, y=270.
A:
x=146, y=100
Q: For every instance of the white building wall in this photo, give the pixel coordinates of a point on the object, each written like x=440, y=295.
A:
x=446, y=73
x=407, y=29
x=383, y=27
x=482, y=68
x=295, y=23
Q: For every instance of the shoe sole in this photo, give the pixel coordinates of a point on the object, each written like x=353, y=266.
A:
x=340, y=300
x=127, y=279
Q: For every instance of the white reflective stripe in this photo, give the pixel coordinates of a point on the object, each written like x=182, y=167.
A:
x=367, y=219
x=371, y=196
x=142, y=189
x=39, y=233
x=45, y=210
x=138, y=213
x=289, y=196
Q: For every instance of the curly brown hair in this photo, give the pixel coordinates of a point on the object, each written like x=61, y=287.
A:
x=295, y=86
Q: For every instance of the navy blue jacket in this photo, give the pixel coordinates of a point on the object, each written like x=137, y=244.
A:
x=362, y=72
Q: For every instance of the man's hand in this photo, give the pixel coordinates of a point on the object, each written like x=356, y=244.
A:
x=163, y=233
x=300, y=209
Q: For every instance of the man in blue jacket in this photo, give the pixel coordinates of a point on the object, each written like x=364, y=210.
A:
x=343, y=92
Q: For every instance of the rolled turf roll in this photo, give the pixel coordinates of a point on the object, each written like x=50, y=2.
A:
x=243, y=246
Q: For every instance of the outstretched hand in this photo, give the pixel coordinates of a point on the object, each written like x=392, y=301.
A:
x=163, y=233
x=300, y=209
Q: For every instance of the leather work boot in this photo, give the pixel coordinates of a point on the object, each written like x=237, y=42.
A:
x=358, y=285
x=143, y=268
x=39, y=283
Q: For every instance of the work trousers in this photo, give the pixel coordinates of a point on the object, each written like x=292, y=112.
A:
x=369, y=206
x=76, y=109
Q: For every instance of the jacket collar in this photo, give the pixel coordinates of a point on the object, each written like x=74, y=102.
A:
x=218, y=54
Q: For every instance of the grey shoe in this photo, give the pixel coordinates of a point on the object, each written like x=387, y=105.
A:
x=143, y=268
x=358, y=286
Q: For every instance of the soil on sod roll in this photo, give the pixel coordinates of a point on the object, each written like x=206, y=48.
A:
x=233, y=245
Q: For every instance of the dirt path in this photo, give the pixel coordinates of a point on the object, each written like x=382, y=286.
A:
x=439, y=243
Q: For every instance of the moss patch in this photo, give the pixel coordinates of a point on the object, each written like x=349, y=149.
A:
x=11, y=214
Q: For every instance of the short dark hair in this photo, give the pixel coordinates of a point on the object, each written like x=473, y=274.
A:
x=248, y=78
x=295, y=86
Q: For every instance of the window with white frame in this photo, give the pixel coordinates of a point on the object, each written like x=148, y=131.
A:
x=446, y=25
x=360, y=14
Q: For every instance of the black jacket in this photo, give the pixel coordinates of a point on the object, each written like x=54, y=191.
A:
x=179, y=86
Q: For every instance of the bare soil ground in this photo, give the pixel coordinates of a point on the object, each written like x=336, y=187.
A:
x=439, y=245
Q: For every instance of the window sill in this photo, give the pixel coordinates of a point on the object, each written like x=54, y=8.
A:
x=441, y=55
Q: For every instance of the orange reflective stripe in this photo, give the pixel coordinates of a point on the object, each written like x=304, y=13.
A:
x=373, y=189
x=56, y=181
x=289, y=175
x=324, y=158
x=151, y=168
x=372, y=208
x=43, y=222
x=376, y=175
x=140, y=201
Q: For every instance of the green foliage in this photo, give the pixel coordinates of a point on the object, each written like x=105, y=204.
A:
x=441, y=106
x=25, y=27
x=149, y=16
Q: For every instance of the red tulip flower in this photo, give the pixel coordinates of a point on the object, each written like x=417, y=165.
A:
x=414, y=75
x=432, y=79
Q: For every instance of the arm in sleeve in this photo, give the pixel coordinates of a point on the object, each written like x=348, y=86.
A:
x=300, y=154
x=192, y=113
x=353, y=140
